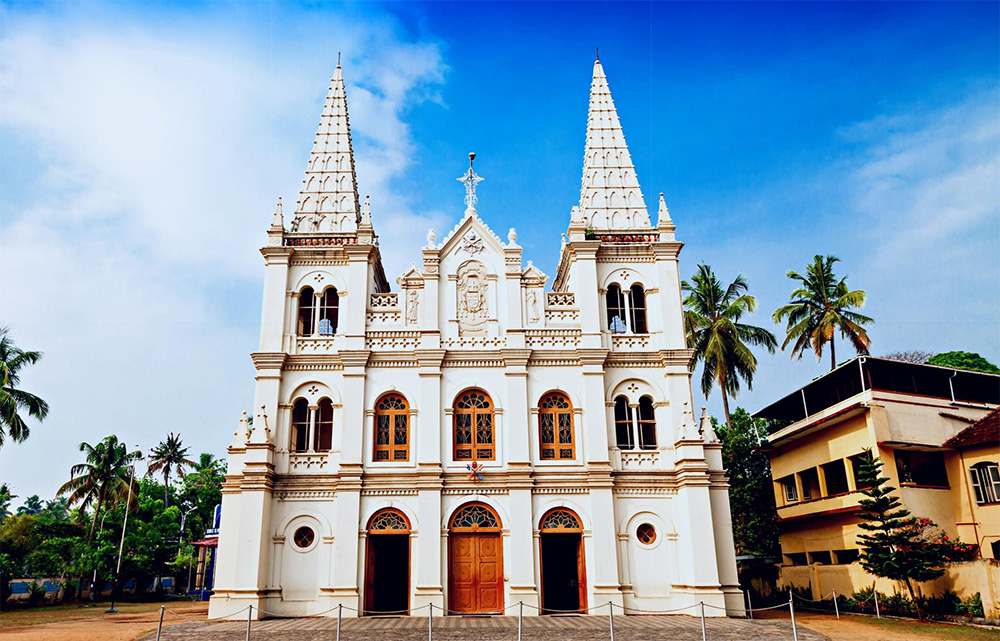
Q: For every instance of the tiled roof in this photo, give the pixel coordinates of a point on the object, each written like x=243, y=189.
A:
x=984, y=432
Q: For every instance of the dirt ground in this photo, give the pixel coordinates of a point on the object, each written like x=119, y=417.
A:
x=865, y=628
x=90, y=623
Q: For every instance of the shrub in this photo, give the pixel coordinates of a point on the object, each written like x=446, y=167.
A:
x=36, y=593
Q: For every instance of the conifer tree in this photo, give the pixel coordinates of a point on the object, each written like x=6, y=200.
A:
x=897, y=546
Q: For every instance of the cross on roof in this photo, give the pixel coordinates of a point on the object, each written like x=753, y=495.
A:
x=471, y=179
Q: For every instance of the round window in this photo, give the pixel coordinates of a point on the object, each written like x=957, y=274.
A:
x=304, y=537
x=646, y=533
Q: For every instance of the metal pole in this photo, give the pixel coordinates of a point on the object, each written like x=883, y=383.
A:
x=520, y=611
x=877, y=614
x=611, y=619
x=749, y=605
x=159, y=626
x=121, y=545
x=836, y=608
x=340, y=607
x=704, y=633
x=791, y=610
x=430, y=623
x=249, y=617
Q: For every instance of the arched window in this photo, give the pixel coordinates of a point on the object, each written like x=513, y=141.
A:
x=307, y=305
x=324, y=426
x=300, y=425
x=623, y=424
x=616, y=309
x=329, y=311
x=555, y=423
x=626, y=309
x=392, y=428
x=637, y=303
x=474, y=437
x=647, y=424
x=388, y=521
x=986, y=482
x=561, y=520
x=475, y=517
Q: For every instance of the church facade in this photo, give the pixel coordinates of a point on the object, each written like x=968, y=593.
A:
x=469, y=438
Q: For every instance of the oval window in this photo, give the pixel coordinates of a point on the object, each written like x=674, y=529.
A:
x=304, y=537
x=646, y=534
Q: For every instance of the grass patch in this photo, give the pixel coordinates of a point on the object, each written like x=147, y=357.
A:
x=943, y=631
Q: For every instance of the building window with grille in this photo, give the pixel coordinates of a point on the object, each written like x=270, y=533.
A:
x=626, y=309
x=318, y=314
x=392, y=428
x=474, y=427
x=986, y=482
x=623, y=424
x=555, y=423
x=307, y=311
x=312, y=427
x=300, y=425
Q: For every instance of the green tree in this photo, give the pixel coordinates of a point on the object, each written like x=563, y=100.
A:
x=102, y=478
x=165, y=458
x=32, y=505
x=12, y=398
x=819, y=307
x=57, y=509
x=200, y=493
x=751, y=496
x=896, y=545
x=720, y=342
x=963, y=360
x=5, y=499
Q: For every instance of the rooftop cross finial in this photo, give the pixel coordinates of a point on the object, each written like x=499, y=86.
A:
x=471, y=180
x=338, y=58
x=597, y=54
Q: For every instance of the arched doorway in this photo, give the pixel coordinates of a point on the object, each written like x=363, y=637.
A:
x=387, y=563
x=564, y=585
x=475, y=576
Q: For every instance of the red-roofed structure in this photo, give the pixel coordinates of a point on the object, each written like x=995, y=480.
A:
x=986, y=431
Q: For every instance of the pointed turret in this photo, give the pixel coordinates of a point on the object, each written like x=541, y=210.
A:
x=610, y=197
x=329, y=197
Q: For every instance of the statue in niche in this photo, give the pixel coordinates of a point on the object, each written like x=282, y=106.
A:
x=533, y=315
x=473, y=307
x=412, y=303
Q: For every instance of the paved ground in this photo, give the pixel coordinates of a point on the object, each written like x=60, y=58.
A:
x=549, y=628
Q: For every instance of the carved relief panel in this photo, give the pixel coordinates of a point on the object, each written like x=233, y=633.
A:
x=473, y=302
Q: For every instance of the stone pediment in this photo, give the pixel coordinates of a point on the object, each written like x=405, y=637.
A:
x=470, y=238
x=532, y=276
x=412, y=277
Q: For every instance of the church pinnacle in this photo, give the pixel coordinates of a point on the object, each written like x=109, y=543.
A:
x=610, y=196
x=329, y=197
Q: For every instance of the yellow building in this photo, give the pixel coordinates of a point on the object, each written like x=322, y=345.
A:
x=910, y=415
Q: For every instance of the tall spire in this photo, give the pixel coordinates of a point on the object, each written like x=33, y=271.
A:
x=329, y=197
x=610, y=197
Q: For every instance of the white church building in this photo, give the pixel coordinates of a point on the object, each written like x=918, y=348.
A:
x=465, y=437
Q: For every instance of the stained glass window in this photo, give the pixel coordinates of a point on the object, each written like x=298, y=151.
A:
x=555, y=423
x=474, y=409
x=561, y=520
x=475, y=517
x=388, y=522
x=392, y=428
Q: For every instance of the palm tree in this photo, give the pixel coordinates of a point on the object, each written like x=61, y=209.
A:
x=5, y=498
x=13, y=399
x=32, y=505
x=167, y=456
x=712, y=324
x=819, y=307
x=102, y=478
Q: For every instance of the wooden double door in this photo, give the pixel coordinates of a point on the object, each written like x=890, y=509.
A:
x=475, y=577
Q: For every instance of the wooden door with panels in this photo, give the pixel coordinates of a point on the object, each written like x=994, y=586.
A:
x=475, y=576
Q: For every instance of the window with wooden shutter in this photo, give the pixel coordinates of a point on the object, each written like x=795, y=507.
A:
x=392, y=428
x=555, y=424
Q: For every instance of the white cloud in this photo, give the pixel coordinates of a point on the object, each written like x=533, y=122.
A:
x=155, y=152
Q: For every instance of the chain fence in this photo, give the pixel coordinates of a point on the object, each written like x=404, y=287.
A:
x=608, y=609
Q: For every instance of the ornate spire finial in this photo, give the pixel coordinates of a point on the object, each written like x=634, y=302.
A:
x=597, y=54
x=279, y=218
x=471, y=179
x=338, y=58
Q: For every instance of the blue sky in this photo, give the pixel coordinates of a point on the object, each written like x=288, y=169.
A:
x=142, y=148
